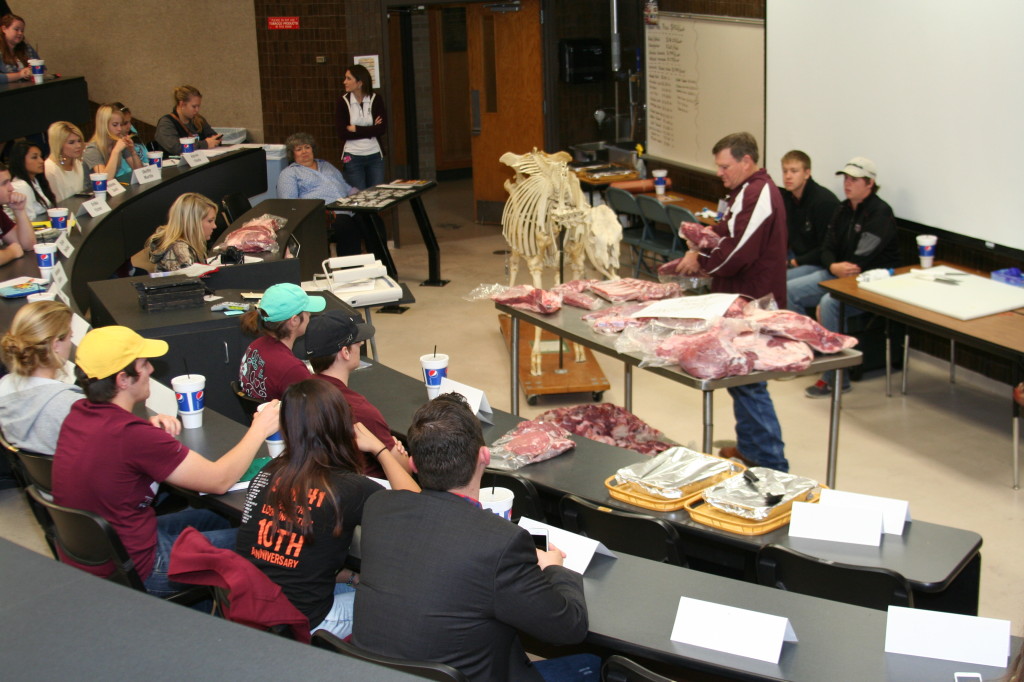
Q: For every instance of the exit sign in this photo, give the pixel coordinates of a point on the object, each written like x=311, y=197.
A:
x=282, y=23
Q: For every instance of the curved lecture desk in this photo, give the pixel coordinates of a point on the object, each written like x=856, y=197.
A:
x=30, y=107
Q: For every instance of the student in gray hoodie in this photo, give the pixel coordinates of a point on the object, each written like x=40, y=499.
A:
x=33, y=401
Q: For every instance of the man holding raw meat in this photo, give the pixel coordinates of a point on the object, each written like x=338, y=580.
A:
x=749, y=258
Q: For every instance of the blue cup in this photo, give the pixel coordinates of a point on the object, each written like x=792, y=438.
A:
x=188, y=144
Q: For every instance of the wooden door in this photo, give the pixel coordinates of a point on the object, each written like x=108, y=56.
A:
x=506, y=80
x=449, y=70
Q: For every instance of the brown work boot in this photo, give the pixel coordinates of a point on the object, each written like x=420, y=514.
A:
x=732, y=452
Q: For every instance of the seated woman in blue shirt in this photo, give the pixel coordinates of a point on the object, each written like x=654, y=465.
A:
x=308, y=177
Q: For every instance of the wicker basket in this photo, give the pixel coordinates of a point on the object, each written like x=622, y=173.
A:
x=702, y=512
x=631, y=493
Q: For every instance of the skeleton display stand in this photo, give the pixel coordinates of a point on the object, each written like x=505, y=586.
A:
x=546, y=221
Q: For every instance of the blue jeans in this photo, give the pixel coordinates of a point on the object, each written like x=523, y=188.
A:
x=758, y=434
x=830, y=320
x=338, y=620
x=802, y=291
x=801, y=270
x=216, y=529
x=364, y=171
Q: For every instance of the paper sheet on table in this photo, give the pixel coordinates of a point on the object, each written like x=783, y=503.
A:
x=699, y=307
x=732, y=630
x=217, y=151
x=947, y=636
x=578, y=549
x=246, y=259
x=895, y=513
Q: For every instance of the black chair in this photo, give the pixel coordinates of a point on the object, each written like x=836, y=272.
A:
x=527, y=500
x=11, y=459
x=89, y=540
x=234, y=205
x=624, y=204
x=37, y=470
x=431, y=671
x=621, y=669
x=636, y=534
x=875, y=588
x=248, y=404
x=222, y=224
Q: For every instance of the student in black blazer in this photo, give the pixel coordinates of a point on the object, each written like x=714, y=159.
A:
x=448, y=581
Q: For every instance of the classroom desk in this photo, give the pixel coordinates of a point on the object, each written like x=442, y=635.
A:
x=60, y=623
x=568, y=324
x=30, y=108
x=1001, y=335
x=376, y=240
x=690, y=203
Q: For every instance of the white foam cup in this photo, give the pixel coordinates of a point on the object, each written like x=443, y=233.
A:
x=275, y=443
x=38, y=69
x=58, y=218
x=189, y=389
x=926, y=249
x=498, y=500
x=99, y=183
x=659, y=180
x=45, y=258
x=188, y=144
x=435, y=368
x=41, y=296
x=156, y=159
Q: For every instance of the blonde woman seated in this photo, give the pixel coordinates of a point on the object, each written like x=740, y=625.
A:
x=33, y=399
x=64, y=169
x=111, y=149
x=182, y=241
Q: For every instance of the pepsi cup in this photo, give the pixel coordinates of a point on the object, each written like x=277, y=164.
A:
x=45, y=257
x=189, y=390
x=99, y=183
x=156, y=159
x=58, y=218
x=435, y=368
x=659, y=180
x=188, y=144
x=275, y=442
x=38, y=69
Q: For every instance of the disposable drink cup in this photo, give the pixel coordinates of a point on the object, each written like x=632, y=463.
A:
x=45, y=257
x=41, y=296
x=275, y=443
x=37, y=69
x=926, y=249
x=498, y=500
x=189, y=389
x=188, y=144
x=435, y=368
x=156, y=159
x=58, y=218
x=659, y=180
x=99, y=182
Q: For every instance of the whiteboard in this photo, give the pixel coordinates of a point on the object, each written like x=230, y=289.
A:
x=704, y=80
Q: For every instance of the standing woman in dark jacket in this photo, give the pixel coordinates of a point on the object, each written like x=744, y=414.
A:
x=361, y=120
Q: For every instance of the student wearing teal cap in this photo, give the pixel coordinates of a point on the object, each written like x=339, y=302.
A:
x=268, y=366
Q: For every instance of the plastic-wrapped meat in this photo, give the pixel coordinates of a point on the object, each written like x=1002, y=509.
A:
x=607, y=423
x=529, y=298
x=775, y=353
x=614, y=319
x=529, y=442
x=736, y=308
x=253, y=238
x=573, y=293
x=791, y=325
x=702, y=235
x=629, y=289
x=710, y=354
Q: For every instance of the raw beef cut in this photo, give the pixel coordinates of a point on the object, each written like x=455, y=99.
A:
x=526, y=297
x=573, y=293
x=614, y=319
x=529, y=442
x=774, y=353
x=791, y=325
x=629, y=289
x=703, y=236
x=253, y=238
x=710, y=354
x=607, y=423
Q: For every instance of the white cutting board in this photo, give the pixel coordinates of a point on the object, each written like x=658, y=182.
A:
x=974, y=297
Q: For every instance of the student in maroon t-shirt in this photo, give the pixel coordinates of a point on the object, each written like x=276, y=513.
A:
x=268, y=366
x=331, y=345
x=109, y=462
x=17, y=236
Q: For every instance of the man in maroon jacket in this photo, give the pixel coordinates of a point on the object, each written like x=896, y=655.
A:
x=750, y=260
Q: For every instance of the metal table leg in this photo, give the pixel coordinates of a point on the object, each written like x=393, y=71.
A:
x=430, y=241
x=888, y=360
x=952, y=361
x=376, y=241
x=373, y=339
x=709, y=420
x=627, y=386
x=833, y=429
x=906, y=361
x=514, y=409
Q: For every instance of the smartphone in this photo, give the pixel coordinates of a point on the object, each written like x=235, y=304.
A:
x=540, y=539
x=967, y=677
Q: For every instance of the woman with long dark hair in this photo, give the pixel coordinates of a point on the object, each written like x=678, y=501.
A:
x=303, y=506
x=28, y=177
x=361, y=120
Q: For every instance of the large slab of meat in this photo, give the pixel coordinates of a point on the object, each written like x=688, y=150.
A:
x=529, y=442
x=629, y=289
x=702, y=236
x=253, y=237
x=529, y=298
x=574, y=294
x=710, y=354
x=774, y=353
x=614, y=319
x=607, y=423
x=799, y=327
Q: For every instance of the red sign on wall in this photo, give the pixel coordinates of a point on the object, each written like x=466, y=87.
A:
x=282, y=23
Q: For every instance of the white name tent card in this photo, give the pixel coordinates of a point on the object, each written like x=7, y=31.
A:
x=114, y=188
x=474, y=396
x=732, y=630
x=859, y=526
x=59, y=277
x=578, y=549
x=161, y=399
x=194, y=159
x=145, y=175
x=95, y=207
x=64, y=245
x=79, y=327
x=895, y=513
x=63, y=297
x=947, y=636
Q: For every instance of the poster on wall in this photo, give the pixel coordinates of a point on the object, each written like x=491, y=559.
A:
x=370, y=61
